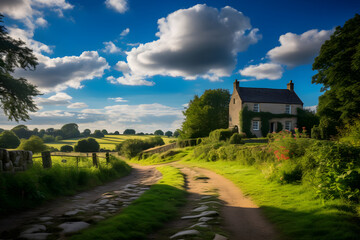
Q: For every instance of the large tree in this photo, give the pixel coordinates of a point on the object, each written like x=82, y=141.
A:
x=16, y=94
x=70, y=130
x=338, y=66
x=206, y=113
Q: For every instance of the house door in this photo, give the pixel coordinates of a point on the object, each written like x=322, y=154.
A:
x=272, y=127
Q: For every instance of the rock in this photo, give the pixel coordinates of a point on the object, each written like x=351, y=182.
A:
x=200, y=224
x=220, y=237
x=206, y=197
x=103, y=201
x=133, y=198
x=200, y=209
x=43, y=219
x=34, y=229
x=72, y=227
x=37, y=236
x=109, y=205
x=203, y=214
x=185, y=233
x=48, y=223
x=130, y=186
x=205, y=219
x=212, y=202
x=8, y=167
x=4, y=155
x=72, y=213
x=97, y=218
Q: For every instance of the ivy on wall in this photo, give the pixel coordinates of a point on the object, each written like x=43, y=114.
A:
x=246, y=116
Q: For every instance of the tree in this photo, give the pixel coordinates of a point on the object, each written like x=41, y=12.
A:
x=8, y=139
x=70, y=130
x=86, y=132
x=47, y=138
x=104, y=131
x=129, y=132
x=97, y=134
x=176, y=133
x=66, y=148
x=206, y=113
x=169, y=133
x=34, y=144
x=87, y=145
x=116, y=133
x=22, y=131
x=16, y=95
x=338, y=66
x=159, y=132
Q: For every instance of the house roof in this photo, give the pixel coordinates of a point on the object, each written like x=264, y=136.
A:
x=268, y=95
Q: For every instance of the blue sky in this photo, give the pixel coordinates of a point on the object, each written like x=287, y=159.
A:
x=118, y=64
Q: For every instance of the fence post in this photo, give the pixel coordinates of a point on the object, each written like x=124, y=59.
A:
x=95, y=162
x=77, y=162
x=46, y=159
x=107, y=155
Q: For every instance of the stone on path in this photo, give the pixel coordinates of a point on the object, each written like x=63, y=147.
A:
x=200, y=224
x=201, y=209
x=72, y=227
x=97, y=218
x=205, y=219
x=212, y=202
x=219, y=237
x=185, y=233
x=37, y=236
x=72, y=213
x=44, y=219
x=34, y=228
x=203, y=214
x=207, y=197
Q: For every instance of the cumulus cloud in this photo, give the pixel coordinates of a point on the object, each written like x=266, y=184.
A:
x=118, y=99
x=120, y=6
x=122, y=67
x=311, y=108
x=78, y=105
x=295, y=50
x=110, y=47
x=57, y=99
x=130, y=80
x=125, y=32
x=270, y=71
x=200, y=41
x=53, y=113
x=57, y=74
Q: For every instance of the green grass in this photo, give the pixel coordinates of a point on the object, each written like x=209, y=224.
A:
x=294, y=209
x=36, y=185
x=165, y=157
x=108, y=142
x=146, y=214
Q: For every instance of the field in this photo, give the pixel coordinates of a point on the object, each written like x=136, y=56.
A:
x=108, y=142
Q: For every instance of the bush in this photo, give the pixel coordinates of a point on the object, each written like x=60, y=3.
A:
x=186, y=142
x=159, y=132
x=66, y=148
x=8, y=139
x=235, y=138
x=220, y=135
x=58, y=138
x=47, y=138
x=129, y=132
x=316, y=132
x=131, y=147
x=97, y=134
x=87, y=145
x=34, y=144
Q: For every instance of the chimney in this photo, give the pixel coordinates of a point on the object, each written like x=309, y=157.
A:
x=236, y=85
x=290, y=86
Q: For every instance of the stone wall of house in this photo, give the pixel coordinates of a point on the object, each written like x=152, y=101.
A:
x=234, y=110
x=276, y=108
x=13, y=161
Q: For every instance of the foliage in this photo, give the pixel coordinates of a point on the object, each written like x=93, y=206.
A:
x=206, y=113
x=86, y=133
x=129, y=132
x=236, y=138
x=104, y=131
x=181, y=143
x=70, y=130
x=22, y=131
x=97, y=134
x=116, y=133
x=47, y=138
x=34, y=144
x=351, y=133
x=87, y=145
x=169, y=133
x=131, y=147
x=220, y=135
x=176, y=133
x=338, y=66
x=8, y=140
x=16, y=95
x=159, y=132
x=66, y=148
x=306, y=118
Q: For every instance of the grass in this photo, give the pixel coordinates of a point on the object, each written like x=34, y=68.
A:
x=154, y=208
x=83, y=162
x=36, y=185
x=108, y=142
x=294, y=209
x=172, y=155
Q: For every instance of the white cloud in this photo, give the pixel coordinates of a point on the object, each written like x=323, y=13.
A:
x=200, y=41
x=312, y=108
x=78, y=105
x=57, y=99
x=122, y=67
x=41, y=22
x=57, y=74
x=185, y=105
x=53, y=113
x=125, y=32
x=130, y=80
x=110, y=47
x=118, y=99
x=120, y=6
x=270, y=71
x=301, y=49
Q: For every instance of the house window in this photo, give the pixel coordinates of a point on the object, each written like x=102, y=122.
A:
x=288, y=109
x=256, y=107
x=255, y=125
x=288, y=125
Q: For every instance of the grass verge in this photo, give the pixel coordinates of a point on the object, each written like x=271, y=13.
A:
x=172, y=155
x=294, y=209
x=36, y=185
x=154, y=208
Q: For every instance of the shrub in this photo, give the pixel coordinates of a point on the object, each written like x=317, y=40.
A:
x=34, y=144
x=131, y=147
x=87, y=145
x=235, y=138
x=129, y=132
x=186, y=142
x=220, y=135
x=97, y=134
x=198, y=141
x=58, y=138
x=159, y=132
x=66, y=148
x=47, y=138
x=8, y=139
x=316, y=132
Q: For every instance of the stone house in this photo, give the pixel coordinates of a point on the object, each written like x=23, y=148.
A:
x=258, y=111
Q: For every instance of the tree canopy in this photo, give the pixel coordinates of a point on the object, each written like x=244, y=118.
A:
x=87, y=145
x=338, y=66
x=70, y=130
x=16, y=94
x=9, y=140
x=169, y=133
x=34, y=144
x=159, y=132
x=129, y=132
x=206, y=113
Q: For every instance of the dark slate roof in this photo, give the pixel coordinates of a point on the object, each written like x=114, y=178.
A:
x=268, y=95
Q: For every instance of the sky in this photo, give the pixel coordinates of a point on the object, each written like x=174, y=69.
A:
x=119, y=64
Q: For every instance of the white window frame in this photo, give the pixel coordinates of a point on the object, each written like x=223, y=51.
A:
x=288, y=108
x=258, y=107
x=288, y=125
x=258, y=125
